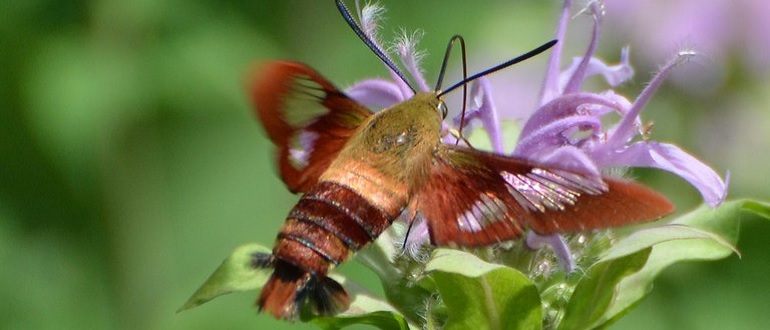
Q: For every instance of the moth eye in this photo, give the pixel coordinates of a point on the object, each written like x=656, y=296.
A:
x=442, y=109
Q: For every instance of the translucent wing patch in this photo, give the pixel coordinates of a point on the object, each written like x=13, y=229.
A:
x=301, y=146
x=474, y=198
x=541, y=190
x=308, y=118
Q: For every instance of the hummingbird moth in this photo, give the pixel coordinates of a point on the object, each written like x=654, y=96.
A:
x=358, y=171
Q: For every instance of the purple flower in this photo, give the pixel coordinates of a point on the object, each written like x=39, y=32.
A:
x=567, y=126
x=550, y=133
x=719, y=29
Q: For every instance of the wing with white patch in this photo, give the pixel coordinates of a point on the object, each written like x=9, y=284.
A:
x=308, y=118
x=474, y=198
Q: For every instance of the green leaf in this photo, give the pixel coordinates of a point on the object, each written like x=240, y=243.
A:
x=480, y=295
x=235, y=274
x=757, y=208
x=382, y=320
x=668, y=233
x=703, y=234
x=408, y=298
x=596, y=290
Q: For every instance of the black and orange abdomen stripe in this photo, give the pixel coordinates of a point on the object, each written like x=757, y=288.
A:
x=328, y=224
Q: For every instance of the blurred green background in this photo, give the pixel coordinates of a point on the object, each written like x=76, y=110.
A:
x=130, y=164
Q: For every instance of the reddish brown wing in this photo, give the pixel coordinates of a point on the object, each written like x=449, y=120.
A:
x=306, y=117
x=474, y=198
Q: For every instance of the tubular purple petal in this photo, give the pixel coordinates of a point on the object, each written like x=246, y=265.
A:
x=482, y=108
x=571, y=158
x=481, y=91
x=554, y=135
x=625, y=129
x=673, y=159
x=369, y=15
x=579, y=75
x=376, y=93
x=564, y=106
x=406, y=47
x=558, y=245
x=613, y=74
x=551, y=82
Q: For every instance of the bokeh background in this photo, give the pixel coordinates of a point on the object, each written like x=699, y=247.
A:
x=130, y=163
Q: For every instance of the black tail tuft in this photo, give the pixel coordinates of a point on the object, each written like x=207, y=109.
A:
x=285, y=293
x=327, y=296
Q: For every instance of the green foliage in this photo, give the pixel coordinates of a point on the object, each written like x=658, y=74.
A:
x=380, y=319
x=236, y=273
x=468, y=292
x=480, y=295
x=597, y=290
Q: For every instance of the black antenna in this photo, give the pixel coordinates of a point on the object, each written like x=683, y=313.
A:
x=377, y=51
x=446, y=59
x=465, y=75
x=504, y=65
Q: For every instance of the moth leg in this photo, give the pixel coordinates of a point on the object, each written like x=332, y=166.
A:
x=416, y=235
x=408, y=230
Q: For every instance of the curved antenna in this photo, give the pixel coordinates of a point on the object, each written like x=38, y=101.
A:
x=449, y=46
x=373, y=47
x=500, y=66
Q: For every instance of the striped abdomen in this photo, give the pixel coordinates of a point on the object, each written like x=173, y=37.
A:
x=328, y=224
